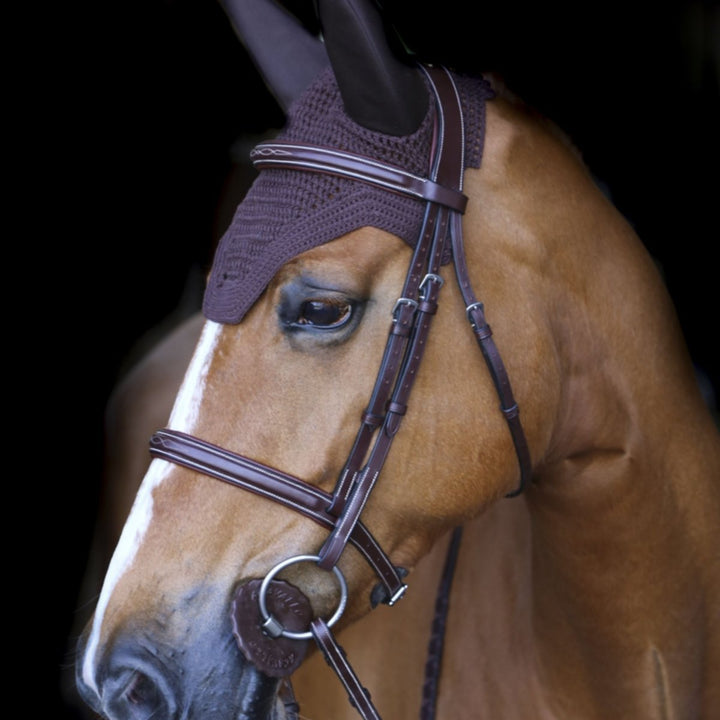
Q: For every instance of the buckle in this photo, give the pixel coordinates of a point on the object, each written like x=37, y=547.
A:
x=470, y=308
x=403, y=301
x=431, y=277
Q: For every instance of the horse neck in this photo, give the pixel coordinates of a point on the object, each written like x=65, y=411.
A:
x=624, y=505
x=633, y=458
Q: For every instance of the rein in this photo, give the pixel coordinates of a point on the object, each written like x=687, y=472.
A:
x=340, y=512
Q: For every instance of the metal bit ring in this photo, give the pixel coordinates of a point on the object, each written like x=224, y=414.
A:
x=270, y=625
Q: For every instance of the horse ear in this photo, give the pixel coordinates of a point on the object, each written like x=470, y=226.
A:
x=287, y=56
x=381, y=88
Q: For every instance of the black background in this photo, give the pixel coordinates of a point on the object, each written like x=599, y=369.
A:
x=135, y=109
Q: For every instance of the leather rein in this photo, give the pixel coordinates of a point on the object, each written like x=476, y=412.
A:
x=340, y=512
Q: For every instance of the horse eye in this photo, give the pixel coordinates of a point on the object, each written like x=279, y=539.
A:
x=326, y=314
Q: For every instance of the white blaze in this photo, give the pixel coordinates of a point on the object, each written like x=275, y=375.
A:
x=183, y=418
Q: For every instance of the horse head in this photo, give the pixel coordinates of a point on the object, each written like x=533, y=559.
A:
x=338, y=382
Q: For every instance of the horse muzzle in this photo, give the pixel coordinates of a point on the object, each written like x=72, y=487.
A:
x=139, y=679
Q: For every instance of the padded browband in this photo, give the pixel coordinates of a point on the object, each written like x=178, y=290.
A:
x=355, y=167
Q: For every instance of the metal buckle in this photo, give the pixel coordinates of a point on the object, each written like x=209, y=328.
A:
x=403, y=301
x=472, y=307
x=430, y=277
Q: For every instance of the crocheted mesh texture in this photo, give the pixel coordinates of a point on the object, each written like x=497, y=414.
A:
x=287, y=212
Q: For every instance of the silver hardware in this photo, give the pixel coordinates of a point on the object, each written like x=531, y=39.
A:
x=403, y=301
x=431, y=277
x=472, y=307
x=397, y=595
x=274, y=628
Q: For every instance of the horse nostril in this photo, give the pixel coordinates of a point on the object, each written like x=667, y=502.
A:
x=135, y=694
x=142, y=695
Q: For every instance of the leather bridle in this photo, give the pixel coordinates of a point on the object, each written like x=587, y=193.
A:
x=340, y=512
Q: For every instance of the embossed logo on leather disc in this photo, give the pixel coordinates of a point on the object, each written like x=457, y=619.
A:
x=276, y=657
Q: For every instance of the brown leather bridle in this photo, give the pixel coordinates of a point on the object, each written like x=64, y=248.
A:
x=340, y=512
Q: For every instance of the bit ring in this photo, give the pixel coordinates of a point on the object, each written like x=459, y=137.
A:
x=271, y=626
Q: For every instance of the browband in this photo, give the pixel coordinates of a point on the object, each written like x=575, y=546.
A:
x=313, y=158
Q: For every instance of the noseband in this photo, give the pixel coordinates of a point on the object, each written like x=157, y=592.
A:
x=339, y=512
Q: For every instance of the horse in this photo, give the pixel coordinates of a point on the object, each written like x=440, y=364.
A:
x=559, y=486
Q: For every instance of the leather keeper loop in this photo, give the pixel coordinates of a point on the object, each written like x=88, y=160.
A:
x=480, y=326
x=428, y=307
x=482, y=329
x=371, y=419
x=512, y=412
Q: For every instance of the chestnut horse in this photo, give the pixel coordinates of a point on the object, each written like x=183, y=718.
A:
x=595, y=593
